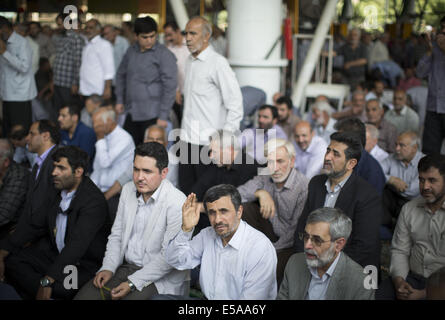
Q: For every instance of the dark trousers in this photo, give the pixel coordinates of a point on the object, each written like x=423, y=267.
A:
x=137, y=128
x=113, y=203
x=25, y=269
x=387, y=291
x=252, y=215
x=191, y=166
x=16, y=112
x=433, y=132
x=62, y=97
x=392, y=204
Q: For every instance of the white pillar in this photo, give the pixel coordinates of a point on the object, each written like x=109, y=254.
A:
x=314, y=52
x=254, y=26
x=180, y=13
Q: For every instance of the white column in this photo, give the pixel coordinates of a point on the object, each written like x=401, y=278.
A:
x=180, y=13
x=254, y=26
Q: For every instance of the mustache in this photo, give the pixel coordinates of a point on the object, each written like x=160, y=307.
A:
x=220, y=225
x=312, y=252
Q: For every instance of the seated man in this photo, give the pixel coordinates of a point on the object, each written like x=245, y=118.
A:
x=323, y=271
x=286, y=117
x=402, y=178
x=217, y=248
x=73, y=132
x=323, y=122
x=74, y=234
x=14, y=180
x=387, y=131
x=153, y=133
x=372, y=137
x=254, y=139
x=340, y=187
x=310, y=150
x=356, y=110
x=148, y=217
x=368, y=167
x=22, y=155
x=417, y=244
x=402, y=117
x=92, y=103
x=114, y=149
x=435, y=285
x=281, y=195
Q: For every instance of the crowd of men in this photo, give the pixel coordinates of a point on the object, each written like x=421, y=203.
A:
x=136, y=174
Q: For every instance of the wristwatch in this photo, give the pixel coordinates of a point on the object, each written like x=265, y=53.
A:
x=131, y=285
x=44, y=282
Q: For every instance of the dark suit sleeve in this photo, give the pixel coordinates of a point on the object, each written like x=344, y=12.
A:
x=364, y=245
x=91, y=217
x=298, y=244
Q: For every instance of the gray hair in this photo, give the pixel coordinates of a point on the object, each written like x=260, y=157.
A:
x=206, y=26
x=340, y=225
x=375, y=100
x=373, y=131
x=97, y=24
x=97, y=99
x=155, y=126
x=415, y=140
x=6, y=149
x=106, y=114
x=323, y=106
x=273, y=144
x=225, y=138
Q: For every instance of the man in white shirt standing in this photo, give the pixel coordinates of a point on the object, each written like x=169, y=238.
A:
x=310, y=150
x=17, y=84
x=148, y=218
x=372, y=137
x=213, y=100
x=97, y=68
x=114, y=149
x=237, y=261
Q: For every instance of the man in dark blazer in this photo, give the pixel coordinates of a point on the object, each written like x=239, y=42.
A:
x=324, y=271
x=74, y=235
x=349, y=192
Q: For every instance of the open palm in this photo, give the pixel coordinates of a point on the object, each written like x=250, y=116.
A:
x=190, y=213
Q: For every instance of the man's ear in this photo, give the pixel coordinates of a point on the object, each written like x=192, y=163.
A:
x=240, y=211
x=164, y=172
x=340, y=244
x=78, y=172
x=351, y=163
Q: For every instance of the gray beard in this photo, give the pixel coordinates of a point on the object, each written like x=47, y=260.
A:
x=324, y=259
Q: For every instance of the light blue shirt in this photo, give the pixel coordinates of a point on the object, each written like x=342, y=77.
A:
x=16, y=75
x=310, y=161
x=62, y=218
x=40, y=159
x=319, y=286
x=244, y=269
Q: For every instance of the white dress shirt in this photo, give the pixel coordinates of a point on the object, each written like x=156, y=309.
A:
x=212, y=98
x=97, y=66
x=379, y=154
x=181, y=53
x=62, y=218
x=244, y=269
x=310, y=161
x=35, y=54
x=114, y=154
x=16, y=75
x=325, y=133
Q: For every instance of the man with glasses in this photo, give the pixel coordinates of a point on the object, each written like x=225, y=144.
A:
x=320, y=272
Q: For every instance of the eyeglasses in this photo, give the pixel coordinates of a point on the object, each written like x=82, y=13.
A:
x=317, y=240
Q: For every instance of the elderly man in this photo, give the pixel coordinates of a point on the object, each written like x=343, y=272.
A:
x=17, y=85
x=372, y=136
x=146, y=81
x=97, y=68
x=402, y=117
x=323, y=271
x=217, y=247
x=417, y=244
x=14, y=180
x=286, y=117
x=92, y=103
x=310, y=150
x=387, y=131
x=356, y=110
x=401, y=174
x=341, y=188
x=148, y=218
x=281, y=195
x=213, y=100
x=323, y=121
x=114, y=149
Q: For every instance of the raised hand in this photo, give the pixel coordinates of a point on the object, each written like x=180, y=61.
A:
x=190, y=213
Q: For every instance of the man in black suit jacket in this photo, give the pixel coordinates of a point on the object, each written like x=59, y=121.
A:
x=74, y=234
x=349, y=192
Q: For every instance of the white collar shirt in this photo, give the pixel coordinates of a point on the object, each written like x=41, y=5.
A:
x=319, y=285
x=181, y=53
x=310, y=161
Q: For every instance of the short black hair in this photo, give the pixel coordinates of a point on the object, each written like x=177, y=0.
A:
x=36, y=23
x=154, y=150
x=62, y=16
x=171, y=24
x=76, y=157
x=352, y=141
x=19, y=133
x=272, y=109
x=49, y=126
x=287, y=101
x=352, y=125
x=434, y=160
x=145, y=25
x=5, y=22
x=73, y=109
x=222, y=190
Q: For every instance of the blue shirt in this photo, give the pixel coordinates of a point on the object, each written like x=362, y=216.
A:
x=40, y=159
x=83, y=137
x=319, y=286
x=369, y=169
